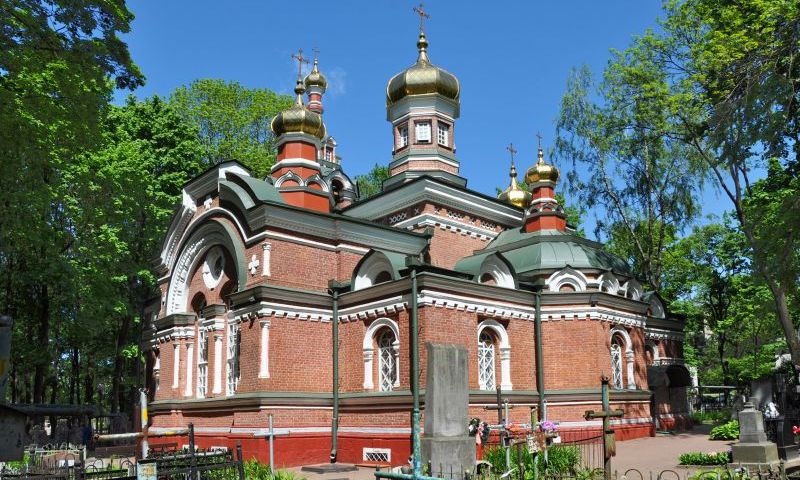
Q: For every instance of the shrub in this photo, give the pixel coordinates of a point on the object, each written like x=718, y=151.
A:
x=726, y=431
x=700, y=458
x=561, y=459
x=711, y=417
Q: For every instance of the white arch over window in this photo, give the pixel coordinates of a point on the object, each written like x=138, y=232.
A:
x=194, y=251
x=567, y=276
x=319, y=181
x=369, y=352
x=608, y=283
x=372, y=268
x=629, y=357
x=632, y=289
x=496, y=268
x=505, y=351
x=290, y=175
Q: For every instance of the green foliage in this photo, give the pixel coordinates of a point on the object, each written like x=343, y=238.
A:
x=726, y=431
x=700, y=458
x=233, y=122
x=561, y=459
x=371, y=183
x=711, y=417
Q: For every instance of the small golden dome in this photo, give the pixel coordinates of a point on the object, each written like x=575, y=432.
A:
x=298, y=118
x=422, y=78
x=316, y=78
x=541, y=172
x=514, y=194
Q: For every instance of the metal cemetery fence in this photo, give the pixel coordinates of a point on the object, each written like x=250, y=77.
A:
x=165, y=463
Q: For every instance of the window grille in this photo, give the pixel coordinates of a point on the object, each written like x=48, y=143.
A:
x=443, y=134
x=233, y=358
x=616, y=365
x=486, y=362
x=387, y=362
x=202, y=365
x=423, y=132
x=403, y=134
x=377, y=455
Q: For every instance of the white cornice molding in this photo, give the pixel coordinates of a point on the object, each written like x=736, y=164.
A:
x=427, y=219
x=280, y=310
x=428, y=190
x=659, y=334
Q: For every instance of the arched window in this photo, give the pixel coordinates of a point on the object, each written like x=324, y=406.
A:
x=387, y=364
x=383, y=277
x=202, y=364
x=486, y=361
x=616, y=363
x=384, y=335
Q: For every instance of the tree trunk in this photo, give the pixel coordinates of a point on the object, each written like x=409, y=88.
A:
x=43, y=340
x=74, y=390
x=119, y=363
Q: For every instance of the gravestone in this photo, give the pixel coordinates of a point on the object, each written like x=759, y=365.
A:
x=753, y=446
x=446, y=443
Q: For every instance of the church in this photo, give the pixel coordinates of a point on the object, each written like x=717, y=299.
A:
x=293, y=298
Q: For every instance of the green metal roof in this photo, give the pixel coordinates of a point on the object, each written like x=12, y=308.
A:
x=545, y=250
x=261, y=190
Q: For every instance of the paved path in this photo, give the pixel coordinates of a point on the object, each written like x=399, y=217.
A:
x=645, y=454
x=661, y=452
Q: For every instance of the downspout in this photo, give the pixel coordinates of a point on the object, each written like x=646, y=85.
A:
x=334, y=287
x=539, y=355
x=413, y=263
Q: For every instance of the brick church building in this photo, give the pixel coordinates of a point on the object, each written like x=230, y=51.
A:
x=253, y=269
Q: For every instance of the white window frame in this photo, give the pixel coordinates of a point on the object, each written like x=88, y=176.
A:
x=202, y=364
x=443, y=134
x=616, y=365
x=402, y=133
x=487, y=361
x=233, y=373
x=422, y=132
x=387, y=360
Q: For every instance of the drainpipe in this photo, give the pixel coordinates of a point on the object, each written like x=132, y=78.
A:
x=334, y=288
x=413, y=263
x=539, y=355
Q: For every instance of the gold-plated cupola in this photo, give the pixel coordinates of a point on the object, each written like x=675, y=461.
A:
x=422, y=78
x=541, y=172
x=298, y=118
x=316, y=78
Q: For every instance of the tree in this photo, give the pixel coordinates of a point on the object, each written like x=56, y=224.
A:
x=644, y=180
x=59, y=61
x=735, y=66
x=233, y=122
x=371, y=183
x=127, y=191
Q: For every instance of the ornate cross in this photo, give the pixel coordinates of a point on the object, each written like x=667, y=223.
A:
x=300, y=61
x=253, y=265
x=422, y=16
x=539, y=136
x=512, y=151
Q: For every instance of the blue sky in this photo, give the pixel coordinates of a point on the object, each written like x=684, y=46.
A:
x=512, y=59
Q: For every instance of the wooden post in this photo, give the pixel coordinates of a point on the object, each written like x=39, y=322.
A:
x=609, y=444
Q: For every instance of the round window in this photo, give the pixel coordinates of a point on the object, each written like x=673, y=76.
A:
x=213, y=267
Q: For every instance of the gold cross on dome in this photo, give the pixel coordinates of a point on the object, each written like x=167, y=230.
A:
x=300, y=61
x=422, y=16
x=316, y=52
x=512, y=151
x=539, y=136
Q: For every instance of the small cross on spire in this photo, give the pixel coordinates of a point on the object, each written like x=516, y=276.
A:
x=539, y=136
x=316, y=53
x=512, y=151
x=422, y=16
x=300, y=61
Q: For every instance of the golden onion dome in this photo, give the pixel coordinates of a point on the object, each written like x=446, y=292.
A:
x=316, y=78
x=298, y=118
x=514, y=194
x=541, y=172
x=422, y=78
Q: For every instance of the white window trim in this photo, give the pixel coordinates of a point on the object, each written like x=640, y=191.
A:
x=202, y=364
x=422, y=132
x=505, y=351
x=402, y=134
x=567, y=276
x=498, y=270
x=369, y=352
x=443, y=134
x=629, y=356
x=233, y=372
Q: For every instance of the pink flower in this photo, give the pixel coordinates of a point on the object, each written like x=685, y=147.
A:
x=796, y=430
